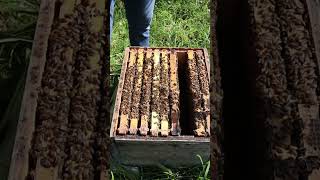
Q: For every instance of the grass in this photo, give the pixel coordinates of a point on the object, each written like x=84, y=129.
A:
x=160, y=172
x=176, y=23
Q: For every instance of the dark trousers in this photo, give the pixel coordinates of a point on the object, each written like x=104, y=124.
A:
x=139, y=15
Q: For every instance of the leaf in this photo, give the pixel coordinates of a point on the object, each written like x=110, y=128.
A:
x=200, y=159
x=8, y=40
x=112, y=176
x=8, y=125
x=207, y=170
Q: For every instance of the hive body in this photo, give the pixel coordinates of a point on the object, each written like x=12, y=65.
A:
x=68, y=113
x=154, y=75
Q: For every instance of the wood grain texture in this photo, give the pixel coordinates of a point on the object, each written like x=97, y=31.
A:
x=20, y=156
x=146, y=90
x=175, y=93
x=216, y=94
x=155, y=94
x=176, y=152
x=126, y=103
x=116, y=111
x=314, y=16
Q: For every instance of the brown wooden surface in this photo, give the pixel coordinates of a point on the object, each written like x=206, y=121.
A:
x=20, y=156
x=40, y=171
x=171, y=152
x=315, y=175
x=314, y=15
x=207, y=59
x=116, y=111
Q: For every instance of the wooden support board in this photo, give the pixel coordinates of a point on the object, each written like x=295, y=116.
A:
x=172, y=152
x=20, y=156
x=314, y=16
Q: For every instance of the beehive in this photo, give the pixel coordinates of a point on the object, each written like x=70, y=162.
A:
x=62, y=130
x=162, y=106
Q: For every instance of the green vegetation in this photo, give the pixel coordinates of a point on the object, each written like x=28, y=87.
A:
x=161, y=172
x=176, y=23
x=17, y=26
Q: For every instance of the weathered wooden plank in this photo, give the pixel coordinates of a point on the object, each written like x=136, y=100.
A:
x=196, y=92
x=146, y=98
x=84, y=109
x=177, y=152
x=135, y=108
x=315, y=175
x=174, y=94
x=155, y=119
x=98, y=29
x=314, y=16
x=164, y=94
x=116, y=111
x=20, y=156
x=127, y=93
x=204, y=86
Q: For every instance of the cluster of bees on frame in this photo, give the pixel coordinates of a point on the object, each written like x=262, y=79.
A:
x=70, y=132
x=150, y=98
x=289, y=78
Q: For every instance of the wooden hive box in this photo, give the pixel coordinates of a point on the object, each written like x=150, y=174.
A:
x=56, y=49
x=175, y=148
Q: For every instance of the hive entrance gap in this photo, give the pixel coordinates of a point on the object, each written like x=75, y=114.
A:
x=186, y=115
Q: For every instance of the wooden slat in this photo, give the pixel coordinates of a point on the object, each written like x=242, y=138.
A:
x=174, y=93
x=79, y=164
x=313, y=7
x=126, y=101
x=315, y=175
x=98, y=28
x=310, y=113
x=155, y=94
x=52, y=173
x=20, y=156
x=207, y=61
x=204, y=86
x=146, y=98
x=195, y=90
x=164, y=94
x=314, y=15
x=116, y=111
x=134, y=115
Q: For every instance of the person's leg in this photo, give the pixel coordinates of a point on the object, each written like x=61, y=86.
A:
x=139, y=14
x=112, y=2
